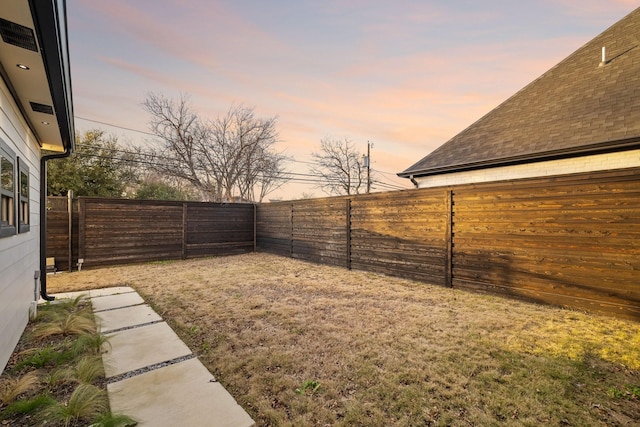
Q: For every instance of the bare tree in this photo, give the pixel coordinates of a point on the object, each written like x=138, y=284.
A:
x=241, y=155
x=182, y=134
x=228, y=158
x=340, y=167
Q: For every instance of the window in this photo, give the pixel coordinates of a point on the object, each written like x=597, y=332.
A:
x=23, y=197
x=7, y=192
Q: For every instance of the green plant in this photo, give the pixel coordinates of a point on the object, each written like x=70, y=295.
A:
x=86, y=402
x=11, y=388
x=27, y=406
x=74, y=323
x=59, y=376
x=90, y=343
x=308, y=387
x=41, y=357
x=68, y=305
x=71, y=304
x=88, y=369
x=113, y=420
x=629, y=392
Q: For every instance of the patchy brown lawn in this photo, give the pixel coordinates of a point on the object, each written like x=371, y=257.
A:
x=302, y=344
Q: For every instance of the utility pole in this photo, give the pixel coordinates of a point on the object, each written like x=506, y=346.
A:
x=367, y=164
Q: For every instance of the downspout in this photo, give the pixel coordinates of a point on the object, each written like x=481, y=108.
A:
x=50, y=17
x=43, y=220
x=413, y=180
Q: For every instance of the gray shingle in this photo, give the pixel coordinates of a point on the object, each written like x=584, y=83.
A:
x=576, y=106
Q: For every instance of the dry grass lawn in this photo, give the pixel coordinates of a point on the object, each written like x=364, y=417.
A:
x=302, y=344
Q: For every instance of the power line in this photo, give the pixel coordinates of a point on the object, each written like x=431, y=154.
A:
x=384, y=172
x=294, y=177
x=289, y=159
x=288, y=176
x=116, y=126
x=388, y=186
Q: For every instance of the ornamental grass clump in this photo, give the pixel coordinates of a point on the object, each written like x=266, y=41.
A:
x=56, y=375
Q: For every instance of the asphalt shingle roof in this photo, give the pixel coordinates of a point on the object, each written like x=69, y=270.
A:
x=576, y=107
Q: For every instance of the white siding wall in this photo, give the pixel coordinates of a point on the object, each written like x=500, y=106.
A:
x=19, y=254
x=625, y=159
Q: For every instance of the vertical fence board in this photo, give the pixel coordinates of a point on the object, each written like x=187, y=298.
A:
x=448, y=239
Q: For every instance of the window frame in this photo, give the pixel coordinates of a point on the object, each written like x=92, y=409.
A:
x=8, y=227
x=23, y=202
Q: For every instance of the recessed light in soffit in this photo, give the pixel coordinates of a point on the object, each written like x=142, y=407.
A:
x=18, y=35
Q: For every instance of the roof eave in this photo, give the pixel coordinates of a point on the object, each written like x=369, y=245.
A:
x=50, y=21
x=593, y=149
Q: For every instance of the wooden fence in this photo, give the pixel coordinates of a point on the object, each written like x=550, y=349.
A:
x=112, y=231
x=62, y=231
x=569, y=241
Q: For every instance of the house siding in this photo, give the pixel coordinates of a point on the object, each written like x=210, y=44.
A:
x=19, y=254
x=600, y=162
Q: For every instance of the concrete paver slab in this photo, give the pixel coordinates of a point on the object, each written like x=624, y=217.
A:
x=109, y=302
x=183, y=394
x=126, y=317
x=110, y=291
x=141, y=347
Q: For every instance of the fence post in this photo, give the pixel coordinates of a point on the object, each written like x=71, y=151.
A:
x=291, y=233
x=348, y=231
x=184, y=231
x=82, y=225
x=448, y=267
x=255, y=227
x=70, y=228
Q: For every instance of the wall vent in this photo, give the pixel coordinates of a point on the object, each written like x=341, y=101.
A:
x=41, y=108
x=18, y=35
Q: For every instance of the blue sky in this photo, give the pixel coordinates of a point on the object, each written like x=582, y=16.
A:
x=406, y=75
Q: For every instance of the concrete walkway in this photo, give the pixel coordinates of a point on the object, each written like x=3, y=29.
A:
x=152, y=375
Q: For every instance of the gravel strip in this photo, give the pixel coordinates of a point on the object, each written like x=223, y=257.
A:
x=126, y=328
x=117, y=308
x=149, y=368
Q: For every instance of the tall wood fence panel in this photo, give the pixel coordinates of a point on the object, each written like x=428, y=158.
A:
x=570, y=242
x=401, y=234
x=274, y=228
x=62, y=241
x=113, y=231
x=129, y=231
x=218, y=229
x=320, y=230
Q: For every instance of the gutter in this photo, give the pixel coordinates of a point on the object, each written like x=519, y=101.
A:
x=612, y=146
x=413, y=181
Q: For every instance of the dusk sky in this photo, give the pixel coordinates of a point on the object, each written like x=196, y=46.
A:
x=406, y=75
